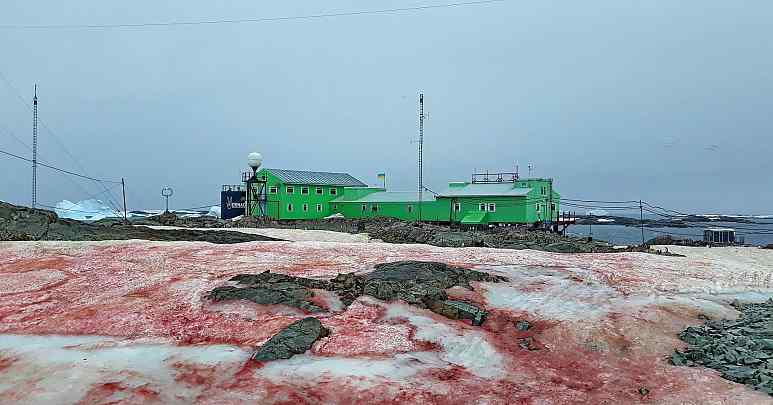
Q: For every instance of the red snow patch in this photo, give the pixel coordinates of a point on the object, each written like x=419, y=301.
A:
x=359, y=331
x=117, y=392
x=30, y=280
x=152, y=291
x=6, y=361
x=194, y=374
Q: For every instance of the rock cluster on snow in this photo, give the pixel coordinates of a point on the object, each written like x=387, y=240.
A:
x=741, y=349
x=421, y=284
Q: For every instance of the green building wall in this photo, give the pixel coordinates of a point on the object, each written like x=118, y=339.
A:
x=278, y=203
x=437, y=210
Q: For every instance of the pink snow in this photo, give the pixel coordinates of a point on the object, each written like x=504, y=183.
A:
x=128, y=322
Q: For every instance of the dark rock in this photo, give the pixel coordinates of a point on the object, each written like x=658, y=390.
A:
x=459, y=310
x=288, y=294
x=741, y=349
x=294, y=339
x=21, y=223
x=271, y=289
x=421, y=284
x=768, y=246
x=527, y=343
x=522, y=325
x=644, y=391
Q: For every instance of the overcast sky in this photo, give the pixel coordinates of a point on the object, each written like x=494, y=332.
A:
x=666, y=101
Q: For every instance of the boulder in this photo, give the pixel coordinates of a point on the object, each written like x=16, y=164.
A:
x=297, y=338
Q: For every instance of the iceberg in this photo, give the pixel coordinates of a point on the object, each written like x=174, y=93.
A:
x=86, y=210
x=214, y=211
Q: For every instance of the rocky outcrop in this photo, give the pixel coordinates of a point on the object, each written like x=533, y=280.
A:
x=294, y=339
x=270, y=288
x=421, y=284
x=741, y=349
x=21, y=223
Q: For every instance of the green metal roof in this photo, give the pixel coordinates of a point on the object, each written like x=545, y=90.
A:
x=485, y=190
x=315, y=178
x=475, y=218
x=390, y=196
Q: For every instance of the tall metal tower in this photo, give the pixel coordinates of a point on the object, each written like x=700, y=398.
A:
x=35, y=148
x=421, y=151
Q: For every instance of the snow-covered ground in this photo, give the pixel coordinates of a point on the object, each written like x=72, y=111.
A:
x=127, y=322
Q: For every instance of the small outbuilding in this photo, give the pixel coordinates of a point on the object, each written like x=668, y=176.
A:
x=724, y=236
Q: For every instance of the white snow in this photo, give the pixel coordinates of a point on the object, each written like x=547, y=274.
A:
x=364, y=372
x=74, y=364
x=465, y=348
x=605, y=220
x=553, y=295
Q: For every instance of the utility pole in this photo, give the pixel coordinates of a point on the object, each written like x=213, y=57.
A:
x=421, y=151
x=35, y=148
x=641, y=221
x=123, y=189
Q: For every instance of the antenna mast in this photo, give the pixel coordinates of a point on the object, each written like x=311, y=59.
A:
x=35, y=148
x=421, y=150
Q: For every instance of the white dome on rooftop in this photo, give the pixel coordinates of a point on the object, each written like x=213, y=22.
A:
x=254, y=160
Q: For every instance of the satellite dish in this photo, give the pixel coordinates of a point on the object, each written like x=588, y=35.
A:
x=254, y=160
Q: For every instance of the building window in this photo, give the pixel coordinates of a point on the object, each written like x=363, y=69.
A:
x=492, y=207
x=552, y=207
x=319, y=207
x=272, y=190
x=319, y=190
x=333, y=191
x=457, y=207
x=305, y=207
x=364, y=207
x=335, y=206
x=290, y=190
x=482, y=206
x=304, y=190
x=289, y=208
x=537, y=207
x=374, y=208
x=410, y=209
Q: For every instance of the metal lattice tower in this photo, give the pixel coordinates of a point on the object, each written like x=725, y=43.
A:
x=421, y=151
x=35, y=148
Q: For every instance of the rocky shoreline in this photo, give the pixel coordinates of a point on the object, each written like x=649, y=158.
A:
x=395, y=231
x=28, y=224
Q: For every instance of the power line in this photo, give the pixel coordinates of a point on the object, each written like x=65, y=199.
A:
x=601, y=201
x=110, y=197
x=248, y=20
x=58, y=169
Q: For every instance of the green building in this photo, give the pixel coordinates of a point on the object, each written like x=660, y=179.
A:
x=298, y=194
x=295, y=194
